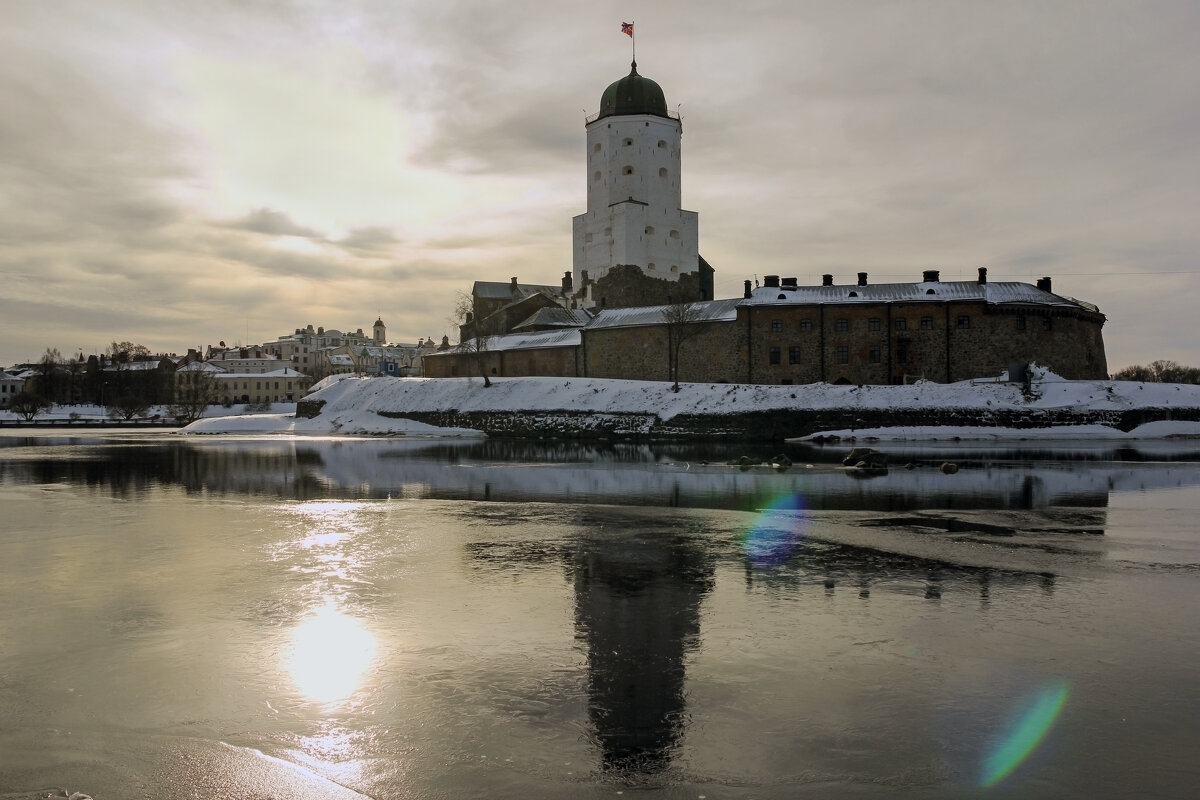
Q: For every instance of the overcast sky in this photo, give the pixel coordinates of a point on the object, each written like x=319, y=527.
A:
x=178, y=173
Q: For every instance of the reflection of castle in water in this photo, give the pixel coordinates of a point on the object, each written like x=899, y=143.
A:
x=637, y=607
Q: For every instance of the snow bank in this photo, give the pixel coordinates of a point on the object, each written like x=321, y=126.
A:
x=944, y=433
x=353, y=405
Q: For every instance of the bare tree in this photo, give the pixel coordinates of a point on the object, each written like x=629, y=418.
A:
x=127, y=406
x=195, y=391
x=28, y=405
x=475, y=335
x=682, y=323
x=48, y=369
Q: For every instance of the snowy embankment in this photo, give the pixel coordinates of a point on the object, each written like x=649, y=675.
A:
x=565, y=406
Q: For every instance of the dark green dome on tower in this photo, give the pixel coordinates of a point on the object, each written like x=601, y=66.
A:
x=633, y=94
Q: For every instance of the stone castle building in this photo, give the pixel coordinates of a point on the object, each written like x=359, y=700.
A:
x=636, y=264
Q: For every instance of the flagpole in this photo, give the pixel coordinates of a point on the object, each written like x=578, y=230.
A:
x=633, y=41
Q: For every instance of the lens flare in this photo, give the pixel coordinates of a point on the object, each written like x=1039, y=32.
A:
x=1030, y=726
x=776, y=533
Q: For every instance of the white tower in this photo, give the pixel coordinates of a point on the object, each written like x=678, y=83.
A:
x=379, y=332
x=633, y=189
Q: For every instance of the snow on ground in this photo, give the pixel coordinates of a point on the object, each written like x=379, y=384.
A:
x=85, y=412
x=944, y=433
x=354, y=422
x=352, y=404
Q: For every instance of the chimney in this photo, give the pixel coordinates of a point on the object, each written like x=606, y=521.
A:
x=566, y=283
x=929, y=276
x=827, y=280
x=747, y=292
x=862, y=279
x=789, y=283
x=771, y=281
x=982, y=275
x=1044, y=284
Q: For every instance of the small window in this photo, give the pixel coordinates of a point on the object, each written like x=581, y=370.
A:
x=785, y=382
x=930, y=291
x=873, y=324
x=649, y=230
x=662, y=143
x=902, y=324
x=627, y=170
x=627, y=142
x=608, y=231
x=674, y=234
x=587, y=238
x=597, y=176
x=806, y=325
x=773, y=355
x=781, y=297
x=650, y=266
x=853, y=294
x=843, y=354
x=1021, y=322
x=662, y=172
x=793, y=355
x=674, y=268
x=841, y=325
x=1047, y=324
x=964, y=321
x=596, y=148
x=926, y=323
x=874, y=354
x=776, y=326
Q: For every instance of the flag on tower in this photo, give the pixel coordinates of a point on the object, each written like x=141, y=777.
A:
x=627, y=29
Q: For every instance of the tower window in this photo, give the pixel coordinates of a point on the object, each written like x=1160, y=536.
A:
x=596, y=147
x=674, y=234
x=675, y=268
x=662, y=172
x=649, y=230
x=650, y=266
x=626, y=170
x=627, y=142
x=662, y=143
x=596, y=177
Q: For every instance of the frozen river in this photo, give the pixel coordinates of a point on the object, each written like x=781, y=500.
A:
x=304, y=618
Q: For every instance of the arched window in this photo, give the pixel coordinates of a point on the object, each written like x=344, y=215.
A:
x=626, y=170
x=596, y=147
x=662, y=172
x=662, y=143
x=628, y=142
x=649, y=230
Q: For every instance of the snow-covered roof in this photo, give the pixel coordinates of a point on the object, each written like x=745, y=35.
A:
x=556, y=316
x=285, y=372
x=707, y=311
x=524, y=341
x=498, y=290
x=998, y=293
x=201, y=366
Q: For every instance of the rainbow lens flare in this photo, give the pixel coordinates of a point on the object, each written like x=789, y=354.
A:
x=776, y=533
x=1029, y=727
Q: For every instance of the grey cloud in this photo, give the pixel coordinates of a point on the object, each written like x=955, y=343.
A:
x=272, y=223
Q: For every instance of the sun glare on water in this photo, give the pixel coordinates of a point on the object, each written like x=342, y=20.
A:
x=330, y=652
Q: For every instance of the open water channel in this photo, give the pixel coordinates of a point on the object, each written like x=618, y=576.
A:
x=312, y=618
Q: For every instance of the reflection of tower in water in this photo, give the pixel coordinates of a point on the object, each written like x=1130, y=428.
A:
x=637, y=606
